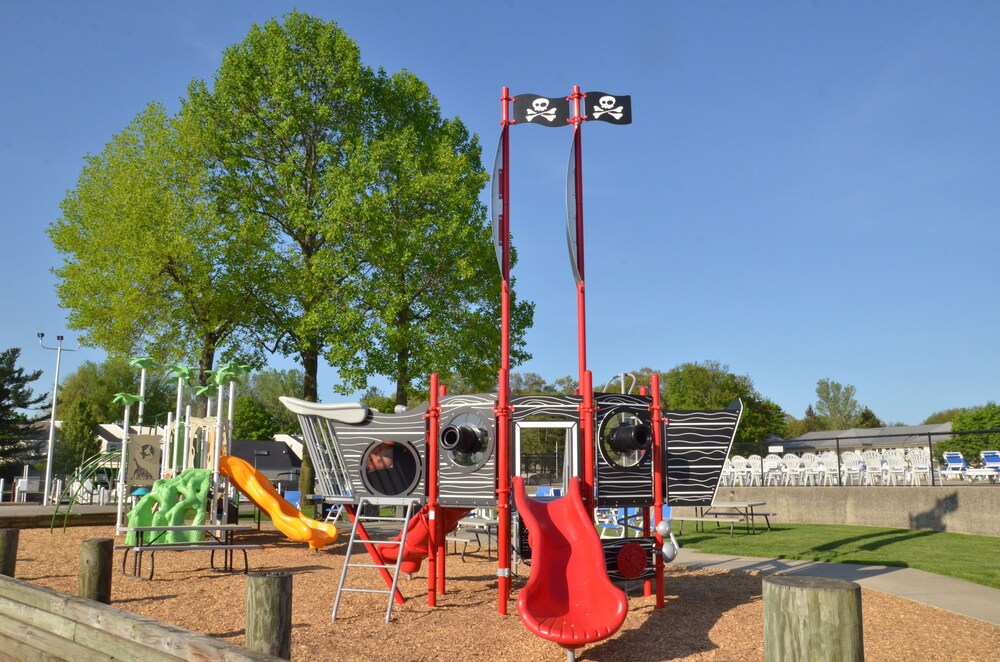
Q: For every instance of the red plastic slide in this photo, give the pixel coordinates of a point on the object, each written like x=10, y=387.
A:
x=568, y=598
x=417, y=534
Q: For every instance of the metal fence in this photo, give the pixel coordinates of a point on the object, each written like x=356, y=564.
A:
x=881, y=442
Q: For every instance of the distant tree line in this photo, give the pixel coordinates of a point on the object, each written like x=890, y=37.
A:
x=302, y=203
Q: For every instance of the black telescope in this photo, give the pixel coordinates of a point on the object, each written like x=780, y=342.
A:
x=463, y=439
x=628, y=438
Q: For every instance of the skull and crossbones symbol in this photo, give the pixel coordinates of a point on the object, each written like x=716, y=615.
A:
x=606, y=105
x=540, y=108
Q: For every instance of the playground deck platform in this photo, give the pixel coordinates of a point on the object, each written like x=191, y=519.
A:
x=28, y=516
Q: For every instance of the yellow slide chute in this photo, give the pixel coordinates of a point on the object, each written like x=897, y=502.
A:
x=292, y=523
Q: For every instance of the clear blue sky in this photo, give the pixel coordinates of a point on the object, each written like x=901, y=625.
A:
x=807, y=191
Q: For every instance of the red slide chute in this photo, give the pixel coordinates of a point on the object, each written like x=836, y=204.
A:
x=417, y=535
x=568, y=598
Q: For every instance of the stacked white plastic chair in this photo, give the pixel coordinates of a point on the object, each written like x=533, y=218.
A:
x=793, y=469
x=771, y=468
x=827, y=468
x=851, y=466
x=895, y=467
x=756, y=470
x=920, y=465
x=810, y=473
x=874, y=474
x=741, y=470
x=726, y=477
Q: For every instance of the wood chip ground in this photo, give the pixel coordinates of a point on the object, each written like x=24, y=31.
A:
x=709, y=615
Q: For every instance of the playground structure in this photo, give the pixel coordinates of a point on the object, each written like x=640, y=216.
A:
x=434, y=464
x=452, y=454
x=181, y=475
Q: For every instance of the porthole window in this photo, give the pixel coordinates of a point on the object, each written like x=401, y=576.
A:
x=466, y=442
x=390, y=468
x=625, y=440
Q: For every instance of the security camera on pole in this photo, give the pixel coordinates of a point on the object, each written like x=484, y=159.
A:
x=52, y=423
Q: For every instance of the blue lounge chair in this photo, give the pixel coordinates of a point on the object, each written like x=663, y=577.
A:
x=955, y=466
x=991, y=467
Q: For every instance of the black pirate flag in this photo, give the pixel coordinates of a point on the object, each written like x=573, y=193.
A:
x=608, y=108
x=542, y=111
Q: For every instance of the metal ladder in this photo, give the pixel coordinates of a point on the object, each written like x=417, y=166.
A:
x=355, y=541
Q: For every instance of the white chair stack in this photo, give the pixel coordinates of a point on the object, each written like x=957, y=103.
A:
x=873, y=472
x=851, y=467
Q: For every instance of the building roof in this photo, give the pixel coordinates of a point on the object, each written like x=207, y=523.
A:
x=269, y=457
x=898, y=436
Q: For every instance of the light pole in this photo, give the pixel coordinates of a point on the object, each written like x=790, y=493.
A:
x=52, y=422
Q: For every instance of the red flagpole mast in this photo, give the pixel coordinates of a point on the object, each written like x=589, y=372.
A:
x=658, y=469
x=433, y=431
x=503, y=405
x=587, y=407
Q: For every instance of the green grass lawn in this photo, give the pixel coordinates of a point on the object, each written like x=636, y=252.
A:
x=973, y=558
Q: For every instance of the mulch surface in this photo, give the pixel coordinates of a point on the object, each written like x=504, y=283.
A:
x=709, y=614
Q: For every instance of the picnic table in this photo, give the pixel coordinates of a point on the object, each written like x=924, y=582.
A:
x=744, y=510
x=728, y=512
x=477, y=526
x=220, y=538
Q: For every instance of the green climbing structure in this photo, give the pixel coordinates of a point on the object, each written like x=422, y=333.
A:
x=172, y=502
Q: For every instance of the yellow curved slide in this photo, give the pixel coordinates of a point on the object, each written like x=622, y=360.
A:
x=256, y=487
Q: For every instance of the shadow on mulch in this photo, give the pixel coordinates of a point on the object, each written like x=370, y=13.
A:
x=682, y=628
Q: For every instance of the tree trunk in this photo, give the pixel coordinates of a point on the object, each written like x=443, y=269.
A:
x=8, y=551
x=310, y=365
x=402, y=378
x=812, y=618
x=269, y=613
x=95, y=569
x=403, y=362
x=205, y=363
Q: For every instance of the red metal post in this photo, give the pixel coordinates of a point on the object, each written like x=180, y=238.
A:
x=587, y=440
x=439, y=522
x=586, y=387
x=433, y=424
x=503, y=389
x=577, y=119
x=658, y=422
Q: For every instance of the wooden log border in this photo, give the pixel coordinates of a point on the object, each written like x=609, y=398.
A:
x=38, y=623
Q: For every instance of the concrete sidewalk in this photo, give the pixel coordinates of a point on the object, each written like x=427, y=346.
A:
x=954, y=595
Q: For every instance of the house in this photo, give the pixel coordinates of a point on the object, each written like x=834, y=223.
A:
x=274, y=459
x=861, y=439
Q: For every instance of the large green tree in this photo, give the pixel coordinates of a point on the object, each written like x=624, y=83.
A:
x=983, y=417
x=363, y=205
x=299, y=203
x=868, y=419
x=808, y=423
x=266, y=386
x=77, y=439
x=285, y=109
x=836, y=403
x=147, y=262
x=16, y=402
x=711, y=385
x=431, y=300
x=96, y=384
x=251, y=421
x=943, y=416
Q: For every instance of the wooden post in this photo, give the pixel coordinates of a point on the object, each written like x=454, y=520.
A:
x=8, y=550
x=812, y=619
x=269, y=613
x=95, y=569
